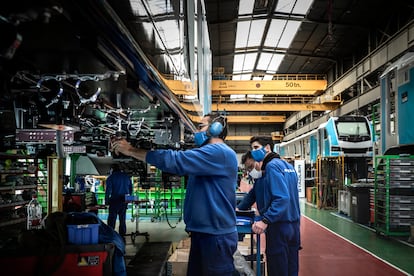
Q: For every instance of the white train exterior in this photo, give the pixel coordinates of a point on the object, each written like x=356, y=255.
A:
x=348, y=136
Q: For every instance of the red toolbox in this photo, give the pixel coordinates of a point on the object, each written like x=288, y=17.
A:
x=94, y=259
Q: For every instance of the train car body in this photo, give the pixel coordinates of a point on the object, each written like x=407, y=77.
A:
x=348, y=136
x=397, y=84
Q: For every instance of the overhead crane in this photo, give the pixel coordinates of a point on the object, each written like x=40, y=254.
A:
x=276, y=136
x=286, y=92
x=276, y=106
x=243, y=119
x=285, y=87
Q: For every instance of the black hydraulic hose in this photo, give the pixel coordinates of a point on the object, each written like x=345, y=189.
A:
x=166, y=215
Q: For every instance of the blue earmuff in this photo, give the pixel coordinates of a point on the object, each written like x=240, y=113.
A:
x=215, y=129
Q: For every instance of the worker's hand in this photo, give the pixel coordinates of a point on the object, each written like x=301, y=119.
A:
x=120, y=145
x=259, y=227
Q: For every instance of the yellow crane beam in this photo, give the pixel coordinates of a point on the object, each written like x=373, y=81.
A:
x=238, y=138
x=180, y=87
x=301, y=85
x=276, y=106
x=332, y=105
x=242, y=119
x=245, y=138
x=271, y=87
x=277, y=136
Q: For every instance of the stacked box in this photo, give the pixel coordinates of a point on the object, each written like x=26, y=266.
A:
x=178, y=261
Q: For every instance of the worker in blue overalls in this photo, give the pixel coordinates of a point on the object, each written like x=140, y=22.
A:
x=277, y=198
x=118, y=184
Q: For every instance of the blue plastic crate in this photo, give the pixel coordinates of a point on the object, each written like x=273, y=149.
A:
x=83, y=233
x=130, y=198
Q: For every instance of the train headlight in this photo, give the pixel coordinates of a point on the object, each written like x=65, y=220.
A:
x=335, y=149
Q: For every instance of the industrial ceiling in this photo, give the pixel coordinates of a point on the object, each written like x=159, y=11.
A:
x=332, y=36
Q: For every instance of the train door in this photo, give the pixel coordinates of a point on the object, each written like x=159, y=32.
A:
x=313, y=148
x=323, y=142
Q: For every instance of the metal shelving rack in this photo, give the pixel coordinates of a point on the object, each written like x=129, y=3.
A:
x=160, y=199
x=18, y=181
x=394, y=195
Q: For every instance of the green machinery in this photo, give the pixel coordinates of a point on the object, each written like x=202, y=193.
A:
x=154, y=197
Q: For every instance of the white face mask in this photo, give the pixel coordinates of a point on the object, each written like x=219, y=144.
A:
x=255, y=174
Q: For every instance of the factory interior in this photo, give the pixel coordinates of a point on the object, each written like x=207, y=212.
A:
x=330, y=81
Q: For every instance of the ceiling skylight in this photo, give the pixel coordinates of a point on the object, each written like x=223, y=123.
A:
x=253, y=36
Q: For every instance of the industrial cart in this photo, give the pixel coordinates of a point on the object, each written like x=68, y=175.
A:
x=135, y=202
x=245, y=220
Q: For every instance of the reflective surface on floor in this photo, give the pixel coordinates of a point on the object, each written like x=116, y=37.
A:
x=390, y=251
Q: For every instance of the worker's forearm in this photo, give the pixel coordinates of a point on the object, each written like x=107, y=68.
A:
x=137, y=153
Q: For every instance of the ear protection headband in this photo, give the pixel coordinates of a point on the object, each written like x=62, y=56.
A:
x=216, y=128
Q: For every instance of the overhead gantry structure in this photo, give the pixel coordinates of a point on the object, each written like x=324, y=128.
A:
x=245, y=101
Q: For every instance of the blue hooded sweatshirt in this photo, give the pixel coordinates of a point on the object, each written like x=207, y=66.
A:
x=276, y=193
x=210, y=199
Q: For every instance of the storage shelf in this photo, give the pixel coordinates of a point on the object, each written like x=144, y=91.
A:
x=394, y=195
x=19, y=176
x=19, y=187
x=14, y=204
x=12, y=222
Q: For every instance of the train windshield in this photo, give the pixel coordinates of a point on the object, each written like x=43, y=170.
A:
x=352, y=128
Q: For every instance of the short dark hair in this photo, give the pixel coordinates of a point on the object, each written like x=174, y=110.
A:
x=245, y=156
x=262, y=140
